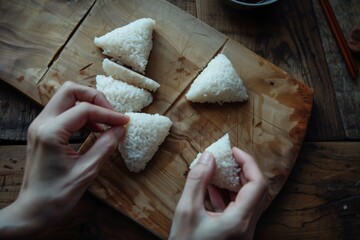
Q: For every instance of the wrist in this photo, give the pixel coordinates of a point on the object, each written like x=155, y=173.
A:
x=20, y=219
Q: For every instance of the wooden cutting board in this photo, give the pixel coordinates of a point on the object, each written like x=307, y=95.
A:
x=271, y=125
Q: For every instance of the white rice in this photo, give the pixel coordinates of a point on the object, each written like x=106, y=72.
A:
x=122, y=73
x=218, y=83
x=130, y=44
x=226, y=173
x=145, y=133
x=122, y=96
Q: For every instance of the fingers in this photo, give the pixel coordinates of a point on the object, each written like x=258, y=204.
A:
x=191, y=204
x=252, y=192
x=232, y=196
x=95, y=127
x=64, y=115
x=216, y=199
x=70, y=93
x=243, y=179
x=198, y=180
x=249, y=168
x=84, y=113
x=90, y=162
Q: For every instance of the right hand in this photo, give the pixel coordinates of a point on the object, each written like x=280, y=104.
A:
x=237, y=219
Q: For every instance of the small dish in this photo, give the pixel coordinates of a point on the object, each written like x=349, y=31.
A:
x=247, y=4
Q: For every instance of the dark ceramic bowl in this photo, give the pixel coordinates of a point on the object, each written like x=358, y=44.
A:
x=246, y=5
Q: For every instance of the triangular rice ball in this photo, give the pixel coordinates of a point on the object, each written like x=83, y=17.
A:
x=218, y=82
x=130, y=44
x=226, y=173
x=122, y=96
x=120, y=72
x=145, y=133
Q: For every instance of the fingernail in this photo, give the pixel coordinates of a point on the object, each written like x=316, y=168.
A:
x=205, y=158
x=119, y=132
x=127, y=118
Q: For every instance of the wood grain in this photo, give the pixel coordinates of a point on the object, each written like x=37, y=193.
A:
x=12, y=163
x=346, y=90
x=175, y=60
x=286, y=34
x=29, y=43
x=271, y=125
x=187, y=6
x=17, y=112
x=320, y=200
x=294, y=36
x=90, y=218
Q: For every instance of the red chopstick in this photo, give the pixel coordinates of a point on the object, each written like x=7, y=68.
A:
x=339, y=37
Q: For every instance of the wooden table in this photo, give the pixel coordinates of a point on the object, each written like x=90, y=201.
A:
x=322, y=196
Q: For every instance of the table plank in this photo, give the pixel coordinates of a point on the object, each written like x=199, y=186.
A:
x=346, y=89
x=275, y=116
x=320, y=199
x=310, y=65
x=17, y=112
x=188, y=6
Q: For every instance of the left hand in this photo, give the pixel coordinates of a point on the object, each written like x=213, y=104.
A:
x=55, y=175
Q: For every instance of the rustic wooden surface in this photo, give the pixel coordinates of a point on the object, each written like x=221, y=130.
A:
x=320, y=200
x=271, y=125
x=295, y=37
x=90, y=219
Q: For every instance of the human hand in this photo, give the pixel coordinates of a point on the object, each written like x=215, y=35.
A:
x=55, y=175
x=237, y=219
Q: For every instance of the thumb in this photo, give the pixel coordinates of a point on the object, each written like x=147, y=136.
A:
x=102, y=149
x=198, y=179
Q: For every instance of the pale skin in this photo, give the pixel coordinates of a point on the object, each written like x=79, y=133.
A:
x=237, y=219
x=56, y=176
